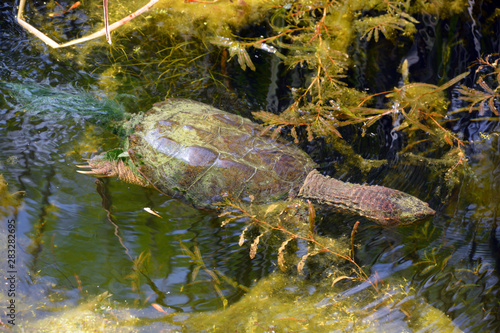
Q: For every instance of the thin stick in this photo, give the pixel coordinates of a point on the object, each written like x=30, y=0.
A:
x=95, y=35
x=106, y=21
x=32, y=29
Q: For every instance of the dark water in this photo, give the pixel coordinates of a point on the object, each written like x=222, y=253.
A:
x=77, y=238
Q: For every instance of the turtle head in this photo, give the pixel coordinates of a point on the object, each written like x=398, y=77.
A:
x=105, y=165
x=404, y=208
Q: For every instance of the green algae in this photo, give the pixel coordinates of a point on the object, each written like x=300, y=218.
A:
x=49, y=103
x=277, y=302
x=315, y=34
x=282, y=304
x=9, y=202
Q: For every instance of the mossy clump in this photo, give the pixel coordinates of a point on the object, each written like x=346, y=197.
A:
x=443, y=8
x=279, y=303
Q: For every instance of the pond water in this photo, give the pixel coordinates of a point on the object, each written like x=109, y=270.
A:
x=90, y=258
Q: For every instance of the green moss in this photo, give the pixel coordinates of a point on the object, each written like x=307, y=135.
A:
x=442, y=8
x=8, y=202
x=277, y=302
x=219, y=18
x=46, y=102
x=281, y=304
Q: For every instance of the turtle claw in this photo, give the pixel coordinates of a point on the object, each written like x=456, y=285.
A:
x=85, y=172
x=98, y=167
x=92, y=172
x=86, y=166
x=95, y=173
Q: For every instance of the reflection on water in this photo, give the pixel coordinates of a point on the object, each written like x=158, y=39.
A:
x=69, y=236
x=78, y=238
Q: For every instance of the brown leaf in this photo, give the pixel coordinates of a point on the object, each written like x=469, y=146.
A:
x=418, y=124
x=270, y=209
x=218, y=291
x=213, y=275
x=244, y=59
x=281, y=254
x=228, y=220
x=253, y=247
x=224, y=214
x=294, y=135
x=448, y=140
x=312, y=217
x=276, y=132
x=158, y=307
x=301, y=264
x=330, y=127
x=310, y=135
x=372, y=121
x=483, y=85
x=340, y=278
x=481, y=108
x=242, y=236
x=196, y=270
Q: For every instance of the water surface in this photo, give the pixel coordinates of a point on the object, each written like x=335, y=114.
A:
x=78, y=238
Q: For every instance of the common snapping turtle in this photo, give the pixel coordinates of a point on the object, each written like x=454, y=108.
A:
x=194, y=151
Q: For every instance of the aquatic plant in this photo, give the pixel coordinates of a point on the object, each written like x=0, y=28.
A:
x=214, y=276
x=9, y=202
x=487, y=96
x=284, y=226
x=315, y=36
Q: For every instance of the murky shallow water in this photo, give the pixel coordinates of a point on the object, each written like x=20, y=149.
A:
x=67, y=238
x=77, y=239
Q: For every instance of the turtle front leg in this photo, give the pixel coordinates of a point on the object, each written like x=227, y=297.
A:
x=100, y=166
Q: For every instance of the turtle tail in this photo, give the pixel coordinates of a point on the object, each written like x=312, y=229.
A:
x=379, y=203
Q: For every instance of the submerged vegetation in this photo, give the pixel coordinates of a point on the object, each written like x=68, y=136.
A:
x=325, y=43
x=316, y=37
x=199, y=48
x=9, y=202
x=281, y=225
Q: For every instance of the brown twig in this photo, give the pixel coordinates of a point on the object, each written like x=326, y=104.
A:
x=106, y=21
x=354, y=228
x=64, y=11
x=95, y=35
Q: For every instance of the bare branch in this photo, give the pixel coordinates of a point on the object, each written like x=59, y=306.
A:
x=95, y=35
